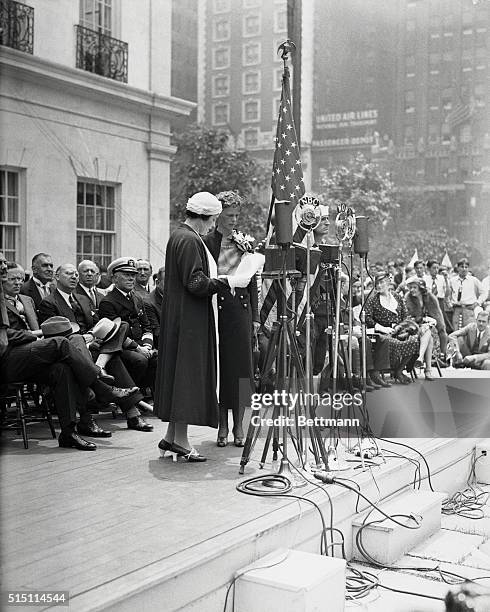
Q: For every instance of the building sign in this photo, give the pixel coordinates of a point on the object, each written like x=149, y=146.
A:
x=346, y=129
x=352, y=119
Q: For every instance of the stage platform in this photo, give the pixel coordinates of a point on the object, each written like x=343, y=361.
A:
x=122, y=529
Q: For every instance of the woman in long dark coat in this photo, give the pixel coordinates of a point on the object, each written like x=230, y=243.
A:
x=186, y=386
x=237, y=316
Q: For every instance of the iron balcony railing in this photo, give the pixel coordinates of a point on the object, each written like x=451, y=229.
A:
x=17, y=26
x=102, y=54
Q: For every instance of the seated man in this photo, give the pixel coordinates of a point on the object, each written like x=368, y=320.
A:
x=88, y=274
x=139, y=358
x=153, y=305
x=66, y=366
x=472, y=344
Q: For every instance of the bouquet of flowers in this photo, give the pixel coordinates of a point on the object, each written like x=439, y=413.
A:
x=243, y=241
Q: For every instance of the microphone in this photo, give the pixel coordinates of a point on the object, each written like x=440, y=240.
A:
x=324, y=477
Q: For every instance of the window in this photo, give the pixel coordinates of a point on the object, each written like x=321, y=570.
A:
x=467, y=18
x=251, y=137
x=221, y=6
x=9, y=214
x=433, y=133
x=409, y=101
x=221, y=57
x=410, y=64
x=221, y=85
x=280, y=21
x=479, y=95
x=251, y=3
x=251, y=54
x=278, y=78
x=97, y=15
x=251, y=82
x=276, y=105
x=96, y=222
x=446, y=133
x=446, y=98
x=465, y=133
x=221, y=29
x=251, y=110
x=409, y=135
x=251, y=24
x=221, y=114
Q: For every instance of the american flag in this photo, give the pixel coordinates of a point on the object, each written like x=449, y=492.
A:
x=287, y=186
x=287, y=173
x=460, y=114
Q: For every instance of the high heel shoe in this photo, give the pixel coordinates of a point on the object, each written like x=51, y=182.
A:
x=165, y=448
x=418, y=363
x=238, y=441
x=189, y=455
x=428, y=374
x=222, y=441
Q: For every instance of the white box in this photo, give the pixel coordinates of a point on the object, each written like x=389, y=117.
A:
x=482, y=463
x=291, y=581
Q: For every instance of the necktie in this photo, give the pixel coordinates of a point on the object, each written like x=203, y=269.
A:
x=476, y=343
x=434, y=287
x=460, y=291
x=93, y=297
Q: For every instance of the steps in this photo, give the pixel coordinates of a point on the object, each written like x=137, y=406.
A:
x=386, y=541
x=196, y=579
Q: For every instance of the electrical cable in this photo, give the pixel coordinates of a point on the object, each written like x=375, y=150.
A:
x=470, y=502
x=415, y=451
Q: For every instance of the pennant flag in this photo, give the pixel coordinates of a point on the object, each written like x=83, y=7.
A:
x=415, y=257
x=287, y=185
x=461, y=113
x=447, y=262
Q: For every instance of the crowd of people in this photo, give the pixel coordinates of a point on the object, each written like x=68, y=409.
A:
x=184, y=336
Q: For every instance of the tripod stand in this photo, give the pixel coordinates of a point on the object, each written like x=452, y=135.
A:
x=283, y=351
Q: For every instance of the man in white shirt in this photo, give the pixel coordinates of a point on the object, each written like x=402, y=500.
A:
x=486, y=288
x=88, y=274
x=466, y=294
x=41, y=284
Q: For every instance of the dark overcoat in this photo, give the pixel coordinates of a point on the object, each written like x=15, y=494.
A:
x=186, y=372
x=235, y=316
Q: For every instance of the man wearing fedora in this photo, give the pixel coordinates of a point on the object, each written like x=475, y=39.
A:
x=122, y=302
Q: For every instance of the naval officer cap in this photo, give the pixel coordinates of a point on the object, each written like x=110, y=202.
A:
x=123, y=264
x=204, y=203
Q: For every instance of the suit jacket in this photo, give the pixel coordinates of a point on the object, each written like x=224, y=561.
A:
x=55, y=305
x=16, y=321
x=153, y=307
x=468, y=332
x=115, y=304
x=30, y=288
x=98, y=296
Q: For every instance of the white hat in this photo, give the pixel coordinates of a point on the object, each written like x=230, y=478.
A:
x=204, y=203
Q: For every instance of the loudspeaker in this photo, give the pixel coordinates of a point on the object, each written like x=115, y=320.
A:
x=361, y=237
x=284, y=222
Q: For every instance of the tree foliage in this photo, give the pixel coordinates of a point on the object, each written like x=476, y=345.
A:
x=206, y=160
x=430, y=244
x=364, y=187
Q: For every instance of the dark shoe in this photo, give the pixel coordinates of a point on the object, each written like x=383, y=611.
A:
x=402, y=379
x=105, y=377
x=92, y=430
x=189, y=455
x=73, y=440
x=428, y=374
x=377, y=378
x=372, y=383
x=418, y=363
x=222, y=441
x=139, y=424
x=165, y=447
x=108, y=394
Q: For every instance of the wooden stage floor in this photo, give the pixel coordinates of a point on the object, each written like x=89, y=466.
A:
x=76, y=521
